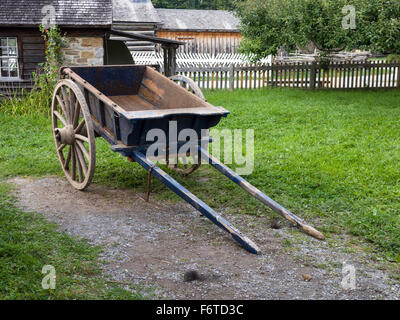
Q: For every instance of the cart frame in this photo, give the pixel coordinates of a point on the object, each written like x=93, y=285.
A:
x=102, y=117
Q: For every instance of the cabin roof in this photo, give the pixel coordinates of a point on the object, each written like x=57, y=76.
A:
x=198, y=20
x=69, y=13
x=136, y=11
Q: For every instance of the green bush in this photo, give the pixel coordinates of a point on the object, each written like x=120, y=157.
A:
x=393, y=58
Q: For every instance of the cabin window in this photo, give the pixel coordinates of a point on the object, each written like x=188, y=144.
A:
x=9, y=68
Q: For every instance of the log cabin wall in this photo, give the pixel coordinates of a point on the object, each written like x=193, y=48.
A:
x=31, y=49
x=21, y=19
x=31, y=46
x=204, y=42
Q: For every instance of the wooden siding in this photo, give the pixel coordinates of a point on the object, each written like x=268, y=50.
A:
x=147, y=29
x=204, y=42
x=30, y=49
x=31, y=52
x=31, y=46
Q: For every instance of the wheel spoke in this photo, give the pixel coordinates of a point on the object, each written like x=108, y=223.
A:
x=71, y=105
x=82, y=138
x=79, y=165
x=76, y=114
x=64, y=94
x=62, y=106
x=81, y=146
x=60, y=117
x=73, y=165
x=61, y=147
x=81, y=161
x=66, y=104
x=80, y=126
x=66, y=164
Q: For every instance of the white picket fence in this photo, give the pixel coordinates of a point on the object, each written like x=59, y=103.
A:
x=194, y=59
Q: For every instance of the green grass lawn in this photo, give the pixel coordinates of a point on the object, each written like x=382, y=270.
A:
x=332, y=157
x=28, y=242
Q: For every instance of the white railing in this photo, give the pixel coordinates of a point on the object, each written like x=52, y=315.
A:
x=194, y=59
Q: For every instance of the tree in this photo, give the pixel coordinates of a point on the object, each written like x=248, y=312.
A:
x=270, y=25
x=378, y=22
x=267, y=25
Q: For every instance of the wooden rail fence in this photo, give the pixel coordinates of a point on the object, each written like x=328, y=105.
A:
x=354, y=75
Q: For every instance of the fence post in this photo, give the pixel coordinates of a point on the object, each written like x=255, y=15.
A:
x=398, y=76
x=231, y=77
x=313, y=75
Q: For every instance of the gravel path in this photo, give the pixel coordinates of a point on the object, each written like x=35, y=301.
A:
x=155, y=243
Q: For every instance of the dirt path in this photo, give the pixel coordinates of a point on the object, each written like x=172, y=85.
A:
x=156, y=243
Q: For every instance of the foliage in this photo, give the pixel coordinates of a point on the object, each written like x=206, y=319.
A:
x=393, y=58
x=195, y=4
x=54, y=58
x=262, y=25
x=270, y=25
x=30, y=102
x=39, y=99
x=378, y=25
x=332, y=157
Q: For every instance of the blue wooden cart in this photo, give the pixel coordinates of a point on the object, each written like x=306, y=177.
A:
x=122, y=104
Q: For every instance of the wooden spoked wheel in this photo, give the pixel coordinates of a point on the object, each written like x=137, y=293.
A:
x=183, y=165
x=73, y=134
x=182, y=162
x=188, y=84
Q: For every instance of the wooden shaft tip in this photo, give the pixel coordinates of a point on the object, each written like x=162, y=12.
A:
x=313, y=232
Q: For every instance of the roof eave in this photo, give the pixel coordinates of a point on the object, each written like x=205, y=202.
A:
x=136, y=22
x=199, y=30
x=70, y=26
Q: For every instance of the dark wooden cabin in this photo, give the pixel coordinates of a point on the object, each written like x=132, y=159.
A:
x=22, y=46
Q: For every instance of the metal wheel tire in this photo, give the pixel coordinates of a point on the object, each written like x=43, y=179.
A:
x=183, y=167
x=188, y=84
x=73, y=134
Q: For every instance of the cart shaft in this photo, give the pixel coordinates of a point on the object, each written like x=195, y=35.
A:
x=195, y=202
x=260, y=195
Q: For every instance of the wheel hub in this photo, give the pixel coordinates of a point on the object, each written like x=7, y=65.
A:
x=66, y=135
